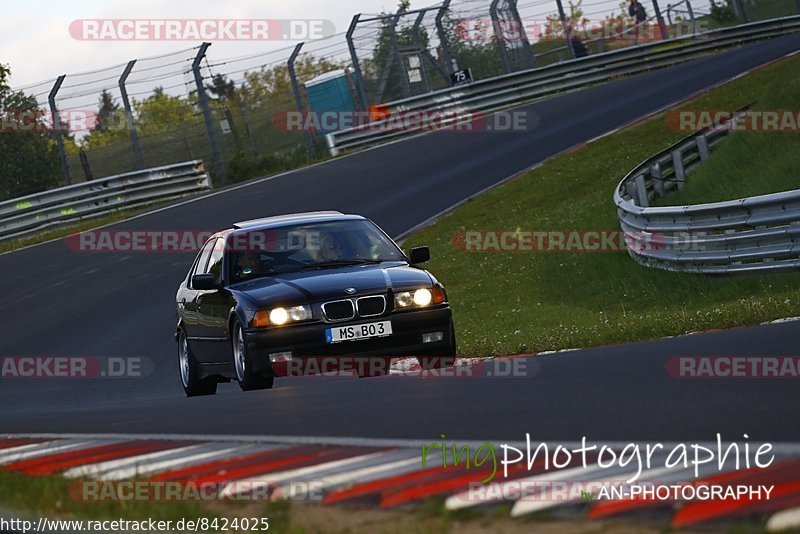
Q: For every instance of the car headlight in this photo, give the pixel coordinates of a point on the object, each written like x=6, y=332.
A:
x=281, y=316
x=419, y=298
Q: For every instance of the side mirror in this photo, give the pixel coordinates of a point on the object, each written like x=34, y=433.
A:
x=419, y=255
x=205, y=282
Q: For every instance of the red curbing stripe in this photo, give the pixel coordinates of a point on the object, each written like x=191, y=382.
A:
x=291, y=461
x=392, y=498
x=47, y=465
x=609, y=508
x=785, y=502
x=376, y=486
x=231, y=464
x=457, y=481
x=408, y=481
x=706, y=510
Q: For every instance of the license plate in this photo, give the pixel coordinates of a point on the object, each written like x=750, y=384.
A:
x=358, y=331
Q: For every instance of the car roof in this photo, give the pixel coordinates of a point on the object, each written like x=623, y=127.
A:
x=294, y=218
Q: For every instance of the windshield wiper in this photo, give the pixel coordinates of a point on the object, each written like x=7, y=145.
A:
x=340, y=263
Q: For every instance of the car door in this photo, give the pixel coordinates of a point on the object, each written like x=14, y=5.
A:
x=212, y=312
x=195, y=324
x=187, y=299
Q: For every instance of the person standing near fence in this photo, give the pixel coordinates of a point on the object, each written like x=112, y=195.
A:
x=637, y=11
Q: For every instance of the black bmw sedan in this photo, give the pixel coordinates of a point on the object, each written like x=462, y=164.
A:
x=309, y=293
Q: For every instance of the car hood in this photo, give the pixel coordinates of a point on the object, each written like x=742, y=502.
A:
x=331, y=283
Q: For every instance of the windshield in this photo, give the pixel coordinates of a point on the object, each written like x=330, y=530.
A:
x=308, y=246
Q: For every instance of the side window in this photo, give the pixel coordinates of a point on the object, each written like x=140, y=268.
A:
x=215, y=261
x=202, y=262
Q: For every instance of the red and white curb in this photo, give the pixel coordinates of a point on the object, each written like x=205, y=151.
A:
x=385, y=473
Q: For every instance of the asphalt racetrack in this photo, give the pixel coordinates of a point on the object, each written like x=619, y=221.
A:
x=57, y=302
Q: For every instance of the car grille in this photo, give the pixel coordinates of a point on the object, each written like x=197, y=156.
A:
x=369, y=306
x=339, y=310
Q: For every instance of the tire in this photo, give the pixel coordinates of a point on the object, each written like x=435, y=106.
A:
x=446, y=357
x=245, y=376
x=189, y=369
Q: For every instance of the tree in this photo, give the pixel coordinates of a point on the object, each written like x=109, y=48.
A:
x=108, y=112
x=161, y=112
x=271, y=87
x=28, y=160
x=575, y=20
x=111, y=127
x=222, y=88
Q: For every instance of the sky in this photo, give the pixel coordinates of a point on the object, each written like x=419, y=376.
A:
x=36, y=43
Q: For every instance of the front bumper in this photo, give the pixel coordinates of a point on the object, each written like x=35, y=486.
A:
x=309, y=348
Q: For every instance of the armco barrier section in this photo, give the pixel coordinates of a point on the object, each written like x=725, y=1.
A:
x=458, y=104
x=759, y=233
x=26, y=216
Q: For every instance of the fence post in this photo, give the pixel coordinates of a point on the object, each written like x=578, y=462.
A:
x=243, y=110
x=298, y=99
x=62, y=151
x=360, y=90
x=443, y=42
x=87, y=170
x=691, y=16
x=499, y=37
x=202, y=98
x=662, y=26
x=526, y=45
x=137, y=149
x=567, y=29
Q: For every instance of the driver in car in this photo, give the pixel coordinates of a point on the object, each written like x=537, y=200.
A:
x=331, y=247
x=247, y=264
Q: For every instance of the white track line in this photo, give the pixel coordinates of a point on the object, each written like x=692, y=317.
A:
x=495, y=491
x=49, y=448
x=23, y=448
x=201, y=455
x=325, y=483
x=529, y=506
x=96, y=470
x=784, y=520
x=269, y=479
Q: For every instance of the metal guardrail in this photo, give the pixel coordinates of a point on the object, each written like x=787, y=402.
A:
x=459, y=103
x=28, y=215
x=753, y=234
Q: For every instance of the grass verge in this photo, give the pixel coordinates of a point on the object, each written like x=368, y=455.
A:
x=752, y=163
x=514, y=302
